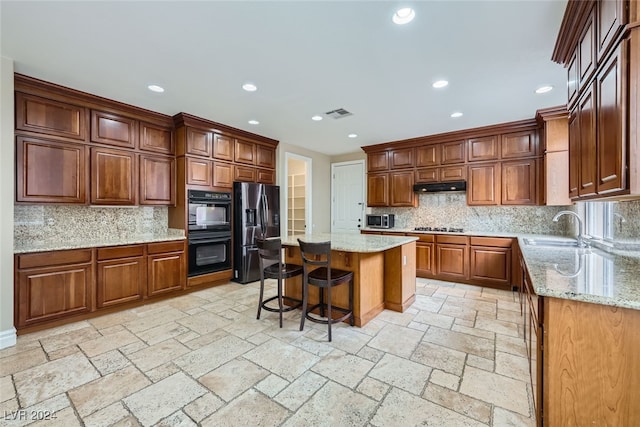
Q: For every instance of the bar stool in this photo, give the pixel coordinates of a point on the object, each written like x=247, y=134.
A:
x=272, y=267
x=324, y=277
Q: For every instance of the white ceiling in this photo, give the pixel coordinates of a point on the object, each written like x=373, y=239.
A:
x=306, y=57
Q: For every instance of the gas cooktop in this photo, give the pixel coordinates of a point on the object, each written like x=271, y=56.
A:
x=440, y=229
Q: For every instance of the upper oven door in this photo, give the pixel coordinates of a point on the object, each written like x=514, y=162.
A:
x=210, y=214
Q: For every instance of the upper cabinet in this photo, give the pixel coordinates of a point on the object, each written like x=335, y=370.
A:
x=484, y=148
x=157, y=139
x=402, y=158
x=265, y=156
x=245, y=152
x=378, y=161
x=519, y=144
x=113, y=177
x=223, y=147
x=50, y=117
x=199, y=142
x=604, y=137
x=113, y=129
x=428, y=155
x=453, y=152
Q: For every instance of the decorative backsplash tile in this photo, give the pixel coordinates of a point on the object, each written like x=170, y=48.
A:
x=451, y=210
x=40, y=222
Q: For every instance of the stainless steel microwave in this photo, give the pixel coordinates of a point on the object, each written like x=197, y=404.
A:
x=380, y=221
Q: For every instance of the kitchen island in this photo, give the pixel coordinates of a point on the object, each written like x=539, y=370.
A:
x=384, y=271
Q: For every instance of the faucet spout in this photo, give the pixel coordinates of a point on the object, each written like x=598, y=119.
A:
x=580, y=237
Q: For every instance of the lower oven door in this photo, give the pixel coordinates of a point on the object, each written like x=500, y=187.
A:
x=207, y=254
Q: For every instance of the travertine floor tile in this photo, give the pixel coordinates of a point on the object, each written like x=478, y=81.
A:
x=107, y=416
x=300, y=390
x=209, y=357
x=44, y=381
x=282, y=359
x=163, y=398
x=333, y=405
x=480, y=304
x=402, y=319
x=401, y=373
x=108, y=342
x=497, y=326
x=502, y=417
x=387, y=340
x=444, y=379
x=66, y=339
x=204, y=322
x=6, y=389
x=400, y=408
x=459, y=312
x=233, y=378
x=435, y=319
x=157, y=354
x=373, y=388
x=162, y=372
x=21, y=361
x=162, y=333
x=154, y=317
x=437, y=356
x=272, y=385
x=177, y=419
x=203, y=406
x=202, y=340
x=497, y=389
x=465, y=405
x=63, y=418
x=462, y=342
x=512, y=366
x=480, y=362
x=474, y=331
x=343, y=368
x=249, y=409
x=427, y=303
x=109, y=362
x=511, y=345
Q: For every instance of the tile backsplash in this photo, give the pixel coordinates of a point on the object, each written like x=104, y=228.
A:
x=41, y=222
x=626, y=220
x=451, y=210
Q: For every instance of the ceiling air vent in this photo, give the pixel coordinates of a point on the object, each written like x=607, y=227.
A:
x=338, y=113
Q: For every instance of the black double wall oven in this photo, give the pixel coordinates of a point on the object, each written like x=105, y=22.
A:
x=209, y=233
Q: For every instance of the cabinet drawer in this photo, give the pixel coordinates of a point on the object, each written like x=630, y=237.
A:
x=43, y=259
x=455, y=240
x=157, y=248
x=244, y=173
x=491, y=241
x=120, y=252
x=427, y=175
x=423, y=237
x=453, y=173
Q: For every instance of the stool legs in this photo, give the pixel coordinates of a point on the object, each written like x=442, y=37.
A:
x=304, y=301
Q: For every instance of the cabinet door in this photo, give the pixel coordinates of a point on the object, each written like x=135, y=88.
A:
x=519, y=144
x=453, y=152
x=378, y=189
x=427, y=175
x=41, y=115
x=244, y=173
x=572, y=80
x=453, y=173
x=401, y=158
x=199, y=172
x=157, y=180
x=587, y=51
x=113, y=129
x=484, y=184
x=222, y=147
x=519, y=182
x=574, y=154
x=120, y=280
x=424, y=259
x=265, y=156
x=401, y=184
x=428, y=155
x=199, y=142
x=48, y=171
x=222, y=174
x=611, y=125
x=378, y=161
x=485, y=148
x=52, y=293
x=157, y=139
x=611, y=17
x=451, y=261
x=588, y=151
x=165, y=273
x=113, y=177
x=491, y=265
x=265, y=176
x=245, y=152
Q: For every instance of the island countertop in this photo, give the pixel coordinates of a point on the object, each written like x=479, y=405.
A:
x=348, y=242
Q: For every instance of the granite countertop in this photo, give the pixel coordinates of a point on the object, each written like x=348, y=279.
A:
x=352, y=242
x=64, y=242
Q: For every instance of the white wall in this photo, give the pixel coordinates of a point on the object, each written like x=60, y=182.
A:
x=320, y=184
x=7, y=331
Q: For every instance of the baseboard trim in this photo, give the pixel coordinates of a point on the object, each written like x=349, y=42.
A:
x=8, y=338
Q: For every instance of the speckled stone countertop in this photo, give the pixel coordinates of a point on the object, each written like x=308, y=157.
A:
x=352, y=242
x=62, y=243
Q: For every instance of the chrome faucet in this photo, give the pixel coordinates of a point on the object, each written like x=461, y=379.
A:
x=580, y=238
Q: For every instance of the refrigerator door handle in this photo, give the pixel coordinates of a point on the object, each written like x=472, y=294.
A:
x=264, y=214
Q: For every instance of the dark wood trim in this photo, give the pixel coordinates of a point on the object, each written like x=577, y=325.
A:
x=185, y=119
x=552, y=113
x=575, y=16
x=520, y=125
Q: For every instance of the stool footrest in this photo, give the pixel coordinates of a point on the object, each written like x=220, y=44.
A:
x=325, y=321
x=296, y=303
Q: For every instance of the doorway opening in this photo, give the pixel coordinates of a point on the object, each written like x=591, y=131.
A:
x=298, y=194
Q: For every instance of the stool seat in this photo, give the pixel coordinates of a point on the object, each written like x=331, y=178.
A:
x=318, y=277
x=286, y=271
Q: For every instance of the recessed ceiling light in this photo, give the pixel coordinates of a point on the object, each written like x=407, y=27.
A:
x=156, y=88
x=404, y=16
x=440, y=83
x=456, y=114
x=249, y=87
x=353, y=135
x=316, y=118
x=544, y=89
x=254, y=122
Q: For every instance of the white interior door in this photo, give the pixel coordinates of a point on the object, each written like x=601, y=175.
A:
x=347, y=196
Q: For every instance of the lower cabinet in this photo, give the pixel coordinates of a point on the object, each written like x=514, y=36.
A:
x=52, y=286
x=452, y=254
x=425, y=259
x=121, y=275
x=491, y=260
x=166, y=268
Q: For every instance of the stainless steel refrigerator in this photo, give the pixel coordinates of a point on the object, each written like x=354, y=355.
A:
x=256, y=214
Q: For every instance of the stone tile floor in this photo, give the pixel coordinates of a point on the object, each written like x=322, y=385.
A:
x=455, y=358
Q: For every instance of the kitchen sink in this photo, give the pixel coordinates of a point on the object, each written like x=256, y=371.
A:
x=551, y=242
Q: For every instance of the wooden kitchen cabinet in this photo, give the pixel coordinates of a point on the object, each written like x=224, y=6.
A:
x=223, y=147
x=199, y=172
x=519, y=144
x=574, y=155
x=52, y=286
x=166, y=268
x=452, y=254
x=519, y=182
x=490, y=261
x=378, y=161
x=244, y=173
x=121, y=275
x=425, y=254
x=483, y=184
x=401, y=189
x=453, y=173
x=157, y=139
x=113, y=129
x=611, y=17
x=265, y=156
x=572, y=80
x=378, y=189
x=266, y=176
x=199, y=142
x=113, y=177
x=427, y=175
x=587, y=165
x=453, y=152
x=401, y=158
x=245, y=152
x=484, y=148
x=587, y=50
x=51, y=171
x=46, y=116
x=157, y=180
x=222, y=174
x=428, y=155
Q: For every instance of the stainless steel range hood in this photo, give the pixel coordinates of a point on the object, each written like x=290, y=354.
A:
x=435, y=187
